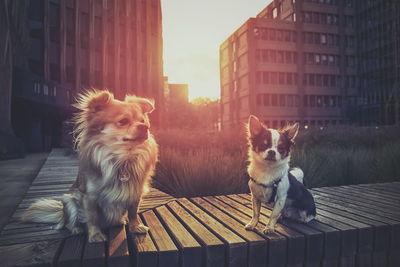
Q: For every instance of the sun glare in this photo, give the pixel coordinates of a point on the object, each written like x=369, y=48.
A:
x=192, y=33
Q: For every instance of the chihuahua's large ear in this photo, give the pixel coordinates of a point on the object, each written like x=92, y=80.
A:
x=254, y=125
x=94, y=100
x=146, y=104
x=292, y=131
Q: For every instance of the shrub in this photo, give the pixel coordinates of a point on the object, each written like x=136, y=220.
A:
x=194, y=163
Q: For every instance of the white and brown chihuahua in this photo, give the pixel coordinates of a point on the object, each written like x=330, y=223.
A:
x=271, y=179
x=117, y=156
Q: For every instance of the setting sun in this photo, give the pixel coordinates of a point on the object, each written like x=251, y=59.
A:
x=192, y=33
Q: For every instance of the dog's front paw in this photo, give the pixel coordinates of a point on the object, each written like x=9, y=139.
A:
x=250, y=226
x=97, y=237
x=138, y=228
x=77, y=230
x=269, y=230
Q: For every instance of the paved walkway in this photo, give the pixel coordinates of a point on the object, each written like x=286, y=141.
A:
x=16, y=176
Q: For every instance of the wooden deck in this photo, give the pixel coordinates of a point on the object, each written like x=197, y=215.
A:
x=356, y=225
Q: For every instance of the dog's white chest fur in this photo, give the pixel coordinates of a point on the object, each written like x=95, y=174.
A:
x=265, y=175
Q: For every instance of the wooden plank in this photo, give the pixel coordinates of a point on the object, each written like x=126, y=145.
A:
x=189, y=248
x=146, y=253
x=168, y=254
x=33, y=236
x=71, y=254
x=381, y=236
x=213, y=246
x=94, y=255
x=235, y=245
x=340, y=201
x=355, y=200
x=257, y=245
x=41, y=254
x=364, y=195
x=359, y=201
x=118, y=252
x=365, y=237
x=285, y=246
x=373, y=190
x=393, y=248
x=314, y=239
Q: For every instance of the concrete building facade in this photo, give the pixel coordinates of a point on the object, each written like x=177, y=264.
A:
x=82, y=44
x=378, y=50
x=295, y=61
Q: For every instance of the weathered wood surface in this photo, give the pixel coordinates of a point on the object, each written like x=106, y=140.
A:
x=40, y=243
x=356, y=225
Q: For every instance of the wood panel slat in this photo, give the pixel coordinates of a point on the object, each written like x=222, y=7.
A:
x=118, y=252
x=236, y=246
x=168, y=254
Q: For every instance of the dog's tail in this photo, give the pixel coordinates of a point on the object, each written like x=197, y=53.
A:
x=45, y=211
x=55, y=211
x=298, y=174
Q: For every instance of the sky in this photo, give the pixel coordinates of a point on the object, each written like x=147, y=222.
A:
x=193, y=30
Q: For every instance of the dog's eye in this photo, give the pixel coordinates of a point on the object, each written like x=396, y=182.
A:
x=262, y=147
x=142, y=121
x=281, y=148
x=123, y=122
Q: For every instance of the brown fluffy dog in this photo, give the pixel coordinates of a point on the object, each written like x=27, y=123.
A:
x=117, y=156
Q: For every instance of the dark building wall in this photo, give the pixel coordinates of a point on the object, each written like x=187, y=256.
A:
x=75, y=45
x=378, y=36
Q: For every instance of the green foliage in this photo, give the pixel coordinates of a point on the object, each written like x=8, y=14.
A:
x=201, y=114
x=196, y=163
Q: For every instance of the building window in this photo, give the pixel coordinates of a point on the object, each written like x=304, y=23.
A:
x=274, y=78
x=266, y=99
x=259, y=99
x=274, y=100
x=281, y=78
x=266, y=77
x=323, y=38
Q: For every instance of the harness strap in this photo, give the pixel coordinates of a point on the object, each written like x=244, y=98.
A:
x=273, y=184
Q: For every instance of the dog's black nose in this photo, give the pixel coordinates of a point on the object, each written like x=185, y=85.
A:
x=142, y=128
x=271, y=155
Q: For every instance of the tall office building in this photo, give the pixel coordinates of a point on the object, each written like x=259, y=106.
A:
x=82, y=44
x=297, y=60
x=378, y=47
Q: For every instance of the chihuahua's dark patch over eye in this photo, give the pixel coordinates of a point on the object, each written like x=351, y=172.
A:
x=123, y=122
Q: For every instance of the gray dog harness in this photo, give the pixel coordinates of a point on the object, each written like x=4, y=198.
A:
x=273, y=184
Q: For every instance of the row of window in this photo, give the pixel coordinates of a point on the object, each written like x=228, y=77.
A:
x=325, y=59
x=320, y=101
x=275, y=35
x=306, y=124
x=321, y=59
x=308, y=37
x=309, y=79
x=320, y=18
x=276, y=56
x=266, y=77
x=321, y=38
x=325, y=80
x=347, y=3
x=326, y=18
x=278, y=100
x=289, y=100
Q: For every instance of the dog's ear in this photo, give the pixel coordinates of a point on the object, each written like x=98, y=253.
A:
x=254, y=125
x=147, y=105
x=94, y=100
x=292, y=131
